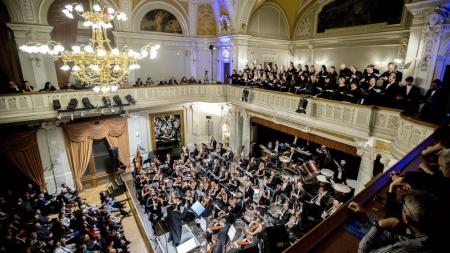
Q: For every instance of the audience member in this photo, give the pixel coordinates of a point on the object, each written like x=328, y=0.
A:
x=436, y=103
x=48, y=86
x=409, y=96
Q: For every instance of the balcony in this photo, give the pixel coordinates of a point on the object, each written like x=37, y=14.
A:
x=333, y=118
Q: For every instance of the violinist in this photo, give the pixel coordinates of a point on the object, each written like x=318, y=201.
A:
x=248, y=192
x=261, y=172
x=154, y=207
x=255, y=227
x=294, y=223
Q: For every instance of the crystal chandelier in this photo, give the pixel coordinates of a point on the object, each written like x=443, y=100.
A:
x=97, y=63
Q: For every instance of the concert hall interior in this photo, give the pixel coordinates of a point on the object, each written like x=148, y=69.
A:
x=224, y=126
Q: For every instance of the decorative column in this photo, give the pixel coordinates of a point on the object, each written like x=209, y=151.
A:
x=425, y=40
x=126, y=7
x=52, y=149
x=240, y=51
x=365, y=151
x=246, y=127
x=36, y=68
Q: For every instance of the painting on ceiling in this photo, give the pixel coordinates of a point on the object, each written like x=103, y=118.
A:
x=206, y=21
x=363, y=12
x=160, y=21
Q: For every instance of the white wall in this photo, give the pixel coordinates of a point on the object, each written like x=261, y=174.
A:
x=269, y=21
x=171, y=61
x=360, y=56
x=139, y=133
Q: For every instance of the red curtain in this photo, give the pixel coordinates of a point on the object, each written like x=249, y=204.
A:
x=23, y=151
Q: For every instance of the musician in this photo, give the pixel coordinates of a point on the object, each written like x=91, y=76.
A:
x=248, y=192
x=273, y=180
x=340, y=176
x=154, y=207
x=390, y=90
x=295, y=222
x=392, y=69
x=371, y=95
x=323, y=156
x=341, y=92
x=369, y=72
x=222, y=237
x=169, y=161
x=335, y=204
x=283, y=214
x=254, y=228
x=298, y=192
x=409, y=96
x=213, y=143
x=321, y=199
x=284, y=188
x=356, y=75
x=252, y=165
x=195, y=152
x=261, y=172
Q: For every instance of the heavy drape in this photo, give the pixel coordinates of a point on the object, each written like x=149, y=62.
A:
x=80, y=138
x=9, y=61
x=23, y=151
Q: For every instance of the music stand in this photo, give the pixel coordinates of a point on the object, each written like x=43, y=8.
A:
x=198, y=208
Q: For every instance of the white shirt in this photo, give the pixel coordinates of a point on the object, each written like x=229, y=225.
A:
x=408, y=89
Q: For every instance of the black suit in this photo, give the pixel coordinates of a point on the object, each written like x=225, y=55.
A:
x=409, y=102
x=435, y=107
x=213, y=144
x=398, y=75
x=390, y=92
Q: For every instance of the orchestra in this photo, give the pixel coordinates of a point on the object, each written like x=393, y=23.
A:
x=283, y=186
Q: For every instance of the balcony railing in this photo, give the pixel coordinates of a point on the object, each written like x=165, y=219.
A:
x=340, y=118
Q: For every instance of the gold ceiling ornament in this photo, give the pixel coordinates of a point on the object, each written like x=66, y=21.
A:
x=97, y=63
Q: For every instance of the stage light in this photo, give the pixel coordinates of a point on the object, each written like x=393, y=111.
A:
x=87, y=104
x=302, y=106
x=212, y=47
x=130, y=99
x=117, y=100
x=56, y=104
x=245, y=94
x=107, y=101
x=73, y=103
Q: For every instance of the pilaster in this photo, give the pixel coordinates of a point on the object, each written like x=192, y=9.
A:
x=36, y=68
x=425, y=39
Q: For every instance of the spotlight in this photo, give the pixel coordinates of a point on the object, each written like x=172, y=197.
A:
x=245, y=94
x=87, y=104
x=56, y=104
x=302, y=106
x=107, y=101
x=130, y=99
x=73, y=103
x=117, y=100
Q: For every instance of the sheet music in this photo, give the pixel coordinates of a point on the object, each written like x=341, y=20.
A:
x=203, y=224
x=231, y=232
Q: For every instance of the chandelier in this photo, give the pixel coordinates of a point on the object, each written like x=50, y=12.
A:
x=97, y=64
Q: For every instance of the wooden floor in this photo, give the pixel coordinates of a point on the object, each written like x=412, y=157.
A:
x=92, y=196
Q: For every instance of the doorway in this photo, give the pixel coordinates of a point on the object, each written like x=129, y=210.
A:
x=226, y=73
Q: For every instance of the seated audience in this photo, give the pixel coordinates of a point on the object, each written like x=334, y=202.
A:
x=48, y=86
x=27, y=87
